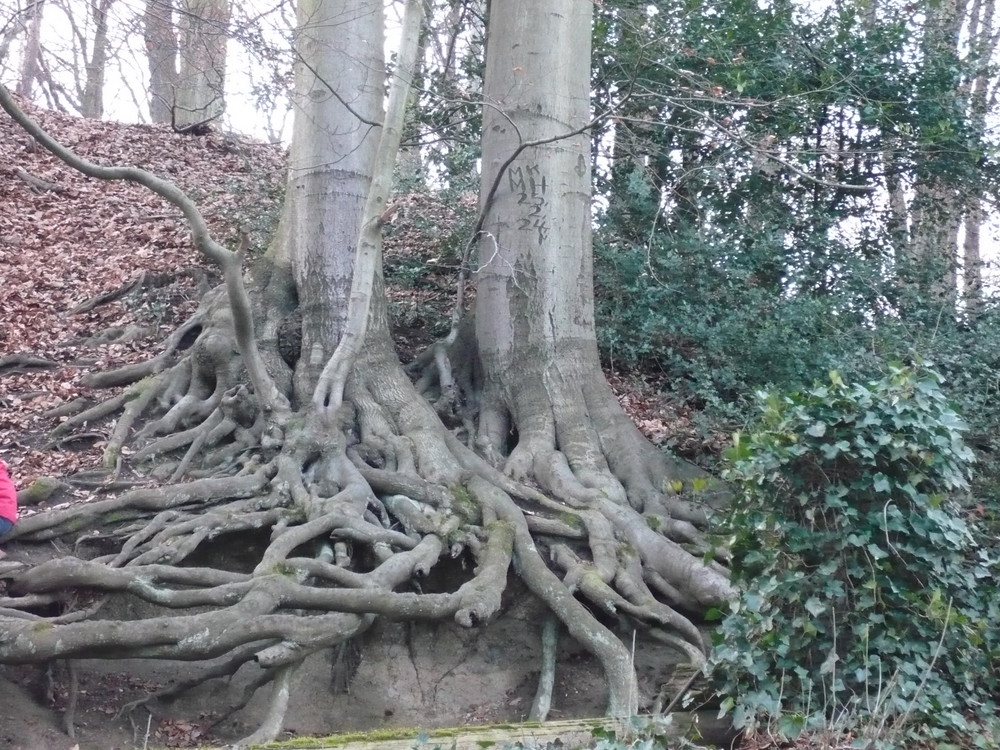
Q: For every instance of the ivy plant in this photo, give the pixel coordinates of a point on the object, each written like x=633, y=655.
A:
x=866, y=586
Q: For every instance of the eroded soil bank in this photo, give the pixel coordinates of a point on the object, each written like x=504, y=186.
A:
x=413, y=676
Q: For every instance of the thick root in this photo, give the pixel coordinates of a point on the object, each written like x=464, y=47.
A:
x=351, y=514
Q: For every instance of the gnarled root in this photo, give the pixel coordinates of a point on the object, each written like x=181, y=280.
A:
x=352, y=516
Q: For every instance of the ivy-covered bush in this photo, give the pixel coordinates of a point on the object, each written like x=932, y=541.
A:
x=866, y=588
x=715, y=330
x=967, y=354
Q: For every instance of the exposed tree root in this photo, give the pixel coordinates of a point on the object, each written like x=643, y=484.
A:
x=226, y=667
x=139, y=281
x=69, y=715
x=274, y=717
x=345, y=502
x=547, y=671
x=15, y=363
x=357, y=514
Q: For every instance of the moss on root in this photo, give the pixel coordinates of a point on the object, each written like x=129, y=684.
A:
x=420, y=737
x=465, y=503
x=39, y=491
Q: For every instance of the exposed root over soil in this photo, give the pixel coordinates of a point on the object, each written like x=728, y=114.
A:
x=357, y=513
x=360, y=491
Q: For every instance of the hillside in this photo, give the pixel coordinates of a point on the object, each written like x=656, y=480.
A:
x=67, y=240
x=96, y=273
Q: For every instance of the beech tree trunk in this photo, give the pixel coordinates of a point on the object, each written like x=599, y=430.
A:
x=161, y=57
x=200, y=93
x=330, y=168
x=536, y=244
x=547, y=411
x=534, y=304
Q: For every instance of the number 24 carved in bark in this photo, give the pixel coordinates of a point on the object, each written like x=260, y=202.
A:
x=529, y=184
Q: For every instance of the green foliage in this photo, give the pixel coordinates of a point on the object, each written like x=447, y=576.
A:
x=410, y=272
x=864, y=589
x=446, y=120
x=745, y=240
x=967, y=354
x=715, y=330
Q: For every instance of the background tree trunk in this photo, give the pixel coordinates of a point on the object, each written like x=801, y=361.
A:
x=92, y=101
x=982, y=41
x=31, y=62
x=200, y=92
x=936, y=210
x=161, y=56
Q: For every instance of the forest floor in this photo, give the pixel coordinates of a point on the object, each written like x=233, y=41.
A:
x=93, y=276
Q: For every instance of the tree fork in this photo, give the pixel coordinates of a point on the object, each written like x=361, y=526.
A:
x=366, y=452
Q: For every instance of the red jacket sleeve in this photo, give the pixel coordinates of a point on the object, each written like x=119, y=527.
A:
x=8, y=495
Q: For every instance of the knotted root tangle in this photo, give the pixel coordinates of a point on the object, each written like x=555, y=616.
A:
x=356, y=514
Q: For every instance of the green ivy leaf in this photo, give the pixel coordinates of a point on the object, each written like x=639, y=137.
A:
x=792, y=725
x=816, y=429
x=881, y=483
x=877, y=552
x=829, y=663
x=815, y=606
x=726, y=706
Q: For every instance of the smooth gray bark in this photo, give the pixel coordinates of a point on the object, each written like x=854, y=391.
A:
x=339, y=93
x=161, y=56
x=329, y=393
x=535, y=288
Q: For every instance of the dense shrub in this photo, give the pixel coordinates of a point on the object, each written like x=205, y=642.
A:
x=967, y=354
x=714, y=328
x=866, y=586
